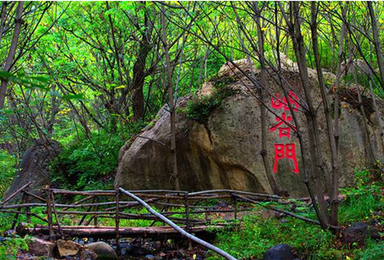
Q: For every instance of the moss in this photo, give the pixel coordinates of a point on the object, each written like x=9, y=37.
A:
x=199, y=109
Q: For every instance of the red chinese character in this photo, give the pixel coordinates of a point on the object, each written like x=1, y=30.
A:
x=283, y=131
x=290, y=153
x=278, y=103
x=292, y=101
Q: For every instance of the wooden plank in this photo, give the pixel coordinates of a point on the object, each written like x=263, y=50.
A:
x=110, y=232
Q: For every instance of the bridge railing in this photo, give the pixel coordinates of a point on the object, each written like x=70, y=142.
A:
x=55, y=207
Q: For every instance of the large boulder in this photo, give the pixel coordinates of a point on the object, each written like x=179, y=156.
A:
x=34, y=167
x=40, y=247
x=103, y=251
x=67, y=247
x=279, y=252
x=219, y=141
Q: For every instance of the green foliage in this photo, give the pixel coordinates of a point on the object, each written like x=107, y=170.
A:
x=87, y=163
x=257, y=235
x=362, y=199
x=374, y=251
x=200, y=108
x=7, y=170
x=10, y=247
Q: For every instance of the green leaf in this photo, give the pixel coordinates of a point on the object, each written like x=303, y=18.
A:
x=73, y=97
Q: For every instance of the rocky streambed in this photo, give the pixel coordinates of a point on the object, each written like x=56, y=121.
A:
x=90, y=249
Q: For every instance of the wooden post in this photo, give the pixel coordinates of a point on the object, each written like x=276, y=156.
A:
x=85, y=216
x=28, y=209
x=49, y=214
x=17, y=214
x=186, y=211
x=56, y=215
x=96, y=208
x=117, y=222
x=234, y=201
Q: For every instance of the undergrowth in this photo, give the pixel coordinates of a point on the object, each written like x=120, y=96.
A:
x=87, y=163
x=7, y=170
x=363, y=203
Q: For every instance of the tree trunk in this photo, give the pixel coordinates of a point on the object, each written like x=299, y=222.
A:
x=12, y=52
x=138, y=79
x=376, y=42
x=171, y=104
x=312, y=126
x=334, y=184
x=264, y=136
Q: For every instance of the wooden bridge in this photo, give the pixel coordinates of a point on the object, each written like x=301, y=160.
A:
x=120, y=213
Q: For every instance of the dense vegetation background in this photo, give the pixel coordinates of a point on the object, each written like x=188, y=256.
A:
x=91, y=75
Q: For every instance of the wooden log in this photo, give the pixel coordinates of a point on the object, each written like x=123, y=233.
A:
x=84, y=216
x=23, y=205
x=117, y=223
x=280, y=210
x=166, y=196
x=179, y=229
x=177, y=205
x=110, y=232
x=23, y=199
x=56, y=215
x=14, y=194
x=49, y=215
x=186, y=211
x=234, y=191
x=139, y=192
x=81, y=201
x=34, y=196
x=150, y=217
x=85, y=193
x=129, y=204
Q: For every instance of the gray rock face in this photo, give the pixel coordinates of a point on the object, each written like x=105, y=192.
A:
x=357, y=232
x=103, y=251
x=225, y=151
x=67, y=247
x=279, y=252
x=40, y=247
x=34, y=167
x=361, y=67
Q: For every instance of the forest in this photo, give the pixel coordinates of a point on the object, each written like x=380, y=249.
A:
x=264, y=120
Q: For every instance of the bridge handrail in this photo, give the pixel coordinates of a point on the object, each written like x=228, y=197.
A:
x=177, y=228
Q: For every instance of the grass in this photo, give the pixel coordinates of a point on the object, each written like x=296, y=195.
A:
x=363, y=203
x=255, y=235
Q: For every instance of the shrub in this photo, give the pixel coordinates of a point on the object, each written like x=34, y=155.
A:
x=362, y=199
x=374, y=251
x=256, y=236
x=199, y=109
x=86, y=164
x=7, y=169
x=10, y=246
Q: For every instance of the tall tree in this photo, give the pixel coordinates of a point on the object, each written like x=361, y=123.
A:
x=12, y=51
